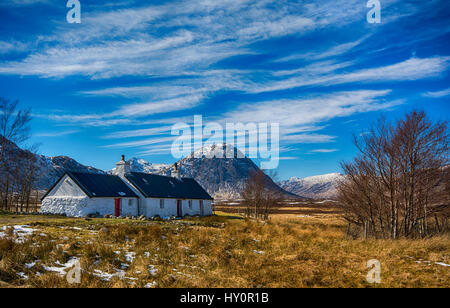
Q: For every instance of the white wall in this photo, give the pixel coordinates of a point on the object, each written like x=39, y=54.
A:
x=70, y=206
x=106, y=206
x=207, y=208
x=141, y=207
x=170, y=208
x=152, y=208
x=83, y=206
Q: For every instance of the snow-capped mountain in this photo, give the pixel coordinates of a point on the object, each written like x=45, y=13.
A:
x=315, y=187
x=223, y=178
x=141, y=165
x=48, y=169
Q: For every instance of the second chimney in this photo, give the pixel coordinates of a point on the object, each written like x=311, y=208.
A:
x=175, y=172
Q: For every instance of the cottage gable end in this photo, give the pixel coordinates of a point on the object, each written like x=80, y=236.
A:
x=66, y=187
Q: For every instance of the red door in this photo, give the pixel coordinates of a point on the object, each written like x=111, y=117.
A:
x=179, y=209
x=117, y=207
x=201, y=207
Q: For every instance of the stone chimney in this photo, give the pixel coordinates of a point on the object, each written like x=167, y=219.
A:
x=175, y=172
x=122, y=167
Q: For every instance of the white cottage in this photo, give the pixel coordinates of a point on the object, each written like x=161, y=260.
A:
x=126, y=193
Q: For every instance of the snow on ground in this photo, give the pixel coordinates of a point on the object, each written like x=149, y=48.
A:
x=107, y=277
x=442, y=264
x=150, y=285
x=20, y=232
x=22, y=275
x=31, y=264
x=129, y=256
x=62, y=268
x=421, y=261
x=152, y=270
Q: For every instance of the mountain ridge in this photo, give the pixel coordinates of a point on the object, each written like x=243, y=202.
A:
x=314, y=187
x=223, y=178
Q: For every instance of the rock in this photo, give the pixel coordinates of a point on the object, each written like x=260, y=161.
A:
x=93, y=215
x=104, y=230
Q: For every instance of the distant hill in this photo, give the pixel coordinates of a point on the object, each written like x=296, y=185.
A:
x=141, y=165
x=314, y=187
x=49, y=169
x=52, y=168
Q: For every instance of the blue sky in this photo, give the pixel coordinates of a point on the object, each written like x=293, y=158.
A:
x=116, y=83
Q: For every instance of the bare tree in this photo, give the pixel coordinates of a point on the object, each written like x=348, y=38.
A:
x=259, y=197
x=396, y=185
x=14, y=129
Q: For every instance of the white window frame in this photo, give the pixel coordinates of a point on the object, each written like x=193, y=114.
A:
x=190, y=204
x=161, y=203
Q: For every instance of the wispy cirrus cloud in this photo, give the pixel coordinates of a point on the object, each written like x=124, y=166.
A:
x=313, y=109
x=411, y=69
x=437, y=94
x=323, y=151
x=327, y=53
x=147, y=40
x=24, y=2
x=163, y=62
x=56, y=134
x=298, y=118
x=12, y=46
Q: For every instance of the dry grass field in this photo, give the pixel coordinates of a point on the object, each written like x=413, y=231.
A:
x=301, y=249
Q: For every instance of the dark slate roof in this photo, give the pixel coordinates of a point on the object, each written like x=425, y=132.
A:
x=158, y=186
x=99, y=185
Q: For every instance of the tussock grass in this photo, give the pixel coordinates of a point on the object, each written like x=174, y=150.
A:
x=217, y=251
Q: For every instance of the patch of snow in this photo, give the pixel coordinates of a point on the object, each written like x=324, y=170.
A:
x=152, y=270
x=258, y=252
x=107, y=277
x=150, y=285
x=129, y=256
x=22, y=275
x=20, y=231
x=31, y=264
x=442, y=264
x=103, y=275
x=62, y=267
